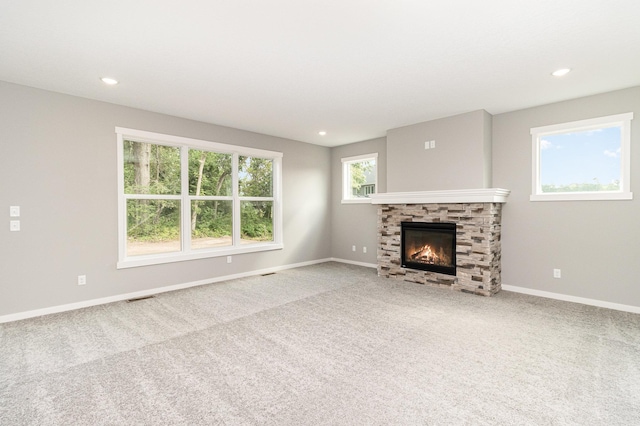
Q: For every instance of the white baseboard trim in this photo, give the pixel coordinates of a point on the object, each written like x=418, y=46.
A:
x=353, y=262
x=574, y=299
x=120, y=297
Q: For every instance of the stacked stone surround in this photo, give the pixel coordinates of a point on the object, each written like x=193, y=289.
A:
x=478, y=250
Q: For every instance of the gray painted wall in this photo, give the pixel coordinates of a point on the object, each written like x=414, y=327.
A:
x=460, y=160
x=355, y=224
x=58, y=164
x=596, y=244
x=487, y=138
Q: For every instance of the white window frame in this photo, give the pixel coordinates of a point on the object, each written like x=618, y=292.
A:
x=347, y=196
x=187, y=253
x=624, y=193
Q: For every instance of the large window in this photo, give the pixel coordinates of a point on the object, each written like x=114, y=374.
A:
x=359, y=178
x=182, y=199
x=582, y=160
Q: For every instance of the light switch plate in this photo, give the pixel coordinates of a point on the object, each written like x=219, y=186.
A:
x=14, y=211
x=14, y=225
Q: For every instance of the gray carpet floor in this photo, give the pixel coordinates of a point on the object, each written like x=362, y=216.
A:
x=329, y=344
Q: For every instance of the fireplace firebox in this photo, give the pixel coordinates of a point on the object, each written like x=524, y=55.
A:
x=429, y=246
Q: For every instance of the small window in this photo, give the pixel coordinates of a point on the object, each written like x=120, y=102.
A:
x=359, y=178
x=582, y=160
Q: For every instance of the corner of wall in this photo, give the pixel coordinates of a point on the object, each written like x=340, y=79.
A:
x=487, y=149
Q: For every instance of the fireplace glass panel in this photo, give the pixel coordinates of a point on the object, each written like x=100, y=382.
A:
x=429, y=246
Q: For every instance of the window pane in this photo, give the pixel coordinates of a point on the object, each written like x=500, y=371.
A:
x=211, y=224
x=255, y=176
x=153, y=226
x=584, y=161
x=209, y=173
x=151, y=169
x=362, y=175
x=256, y=221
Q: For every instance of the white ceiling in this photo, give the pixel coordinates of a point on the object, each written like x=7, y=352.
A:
x=290, y=68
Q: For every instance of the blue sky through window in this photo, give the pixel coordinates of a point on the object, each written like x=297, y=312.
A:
x=582, y=157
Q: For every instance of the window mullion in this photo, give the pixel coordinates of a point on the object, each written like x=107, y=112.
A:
x=186, y=201
x=151, y=197
x=172, y=153
x=256, y=198
x=210, y=198
x=277, y=200
x=122, y=203
x=236, y=200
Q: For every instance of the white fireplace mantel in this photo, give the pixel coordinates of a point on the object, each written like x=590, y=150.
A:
x=483, y=195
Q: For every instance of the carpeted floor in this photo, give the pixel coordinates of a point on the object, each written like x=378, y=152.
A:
x=329, y=344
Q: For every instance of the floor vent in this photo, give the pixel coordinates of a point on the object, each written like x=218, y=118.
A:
x=268, y=273
x=140, y=298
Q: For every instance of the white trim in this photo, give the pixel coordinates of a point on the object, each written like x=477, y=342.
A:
x=278, y=195
x=353, y=262
x=185, y=202
x=619, y=120
x=346, y=178
x=120, y=297
x=582, y=196
x=360, y=157
x=583, y=124
x=357, y=201
x=122, y=210
x=186, y=252
x=160, y=258
x=164, y=139
x=574, y=299
x=484, y=195
x=236, y=224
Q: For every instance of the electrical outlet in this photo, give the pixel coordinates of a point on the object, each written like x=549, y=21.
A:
x=229, y=259
x=364, y=249
x=14, y=225
x=82, y=279
x=433, y=144
x=557, y=273
x=426, y=144
x=353, y=248
x=14, y=211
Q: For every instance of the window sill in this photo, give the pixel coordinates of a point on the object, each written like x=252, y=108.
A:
x=357, y=201
x=158, y=259
x=582, y=196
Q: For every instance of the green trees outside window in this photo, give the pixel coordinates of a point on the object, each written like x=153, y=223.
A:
x=362, y=179
x=210, y=175
x=359, y=178
x=256, y=192
x=152, y=173
x=154, y=198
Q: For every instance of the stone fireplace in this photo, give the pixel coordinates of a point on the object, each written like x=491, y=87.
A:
x=476, y=217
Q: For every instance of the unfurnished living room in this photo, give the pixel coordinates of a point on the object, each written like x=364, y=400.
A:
x=320, y=213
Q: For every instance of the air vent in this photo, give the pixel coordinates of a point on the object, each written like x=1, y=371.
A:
x=136, y=299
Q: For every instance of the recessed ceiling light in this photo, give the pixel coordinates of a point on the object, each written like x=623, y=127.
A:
x=561, y=72
x=322, y=133
x=110, y=81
